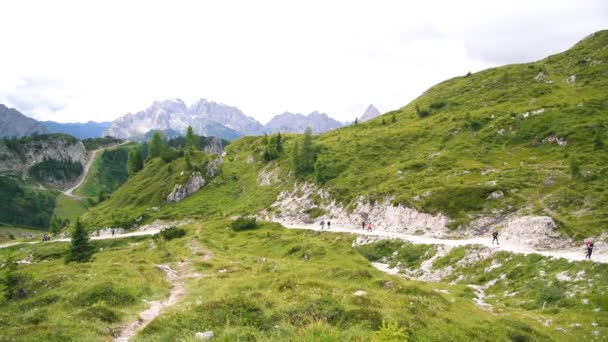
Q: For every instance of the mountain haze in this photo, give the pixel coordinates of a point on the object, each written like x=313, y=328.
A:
x=80, y=130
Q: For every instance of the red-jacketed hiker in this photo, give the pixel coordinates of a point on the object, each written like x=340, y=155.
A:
x=369, y=227
x=589, y=245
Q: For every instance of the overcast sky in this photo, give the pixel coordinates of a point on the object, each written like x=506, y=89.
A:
x=97, y=60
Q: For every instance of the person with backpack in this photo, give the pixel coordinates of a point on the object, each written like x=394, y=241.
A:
x=369, y=227
x=363, y=225
x=589, y=245
x=328, y=225
x=495, y=237
x=322, y=224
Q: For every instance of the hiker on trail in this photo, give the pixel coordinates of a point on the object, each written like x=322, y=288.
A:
x=589, y=245
x=112, y=232
x=369, y=227
x=328, y=225
x=322, y=225
x=363, y=225
x=495, y=238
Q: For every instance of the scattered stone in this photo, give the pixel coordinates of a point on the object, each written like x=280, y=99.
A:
x=388, y=284
x=250, y=159
x=571, y=79
x=542, y=77
x=563, y=276
x=584, y=301
x=213, y=166
x=360, y=293
x=496, y=195
x=555, y=139
x=204, y=336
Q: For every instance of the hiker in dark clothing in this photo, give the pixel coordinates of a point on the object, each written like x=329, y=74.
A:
x=363, y=225
x=328, y=225
x=495, y=238
x=112, y=232
x=322, y=225
x=589, y=246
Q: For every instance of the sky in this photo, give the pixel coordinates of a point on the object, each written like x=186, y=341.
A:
x=74, y=61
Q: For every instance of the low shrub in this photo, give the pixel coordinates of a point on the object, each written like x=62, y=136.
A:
x=171, y=233
x=244, y=223
x=107, y=292
x=315, y=212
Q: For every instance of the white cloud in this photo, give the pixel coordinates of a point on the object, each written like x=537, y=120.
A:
x=75, y=61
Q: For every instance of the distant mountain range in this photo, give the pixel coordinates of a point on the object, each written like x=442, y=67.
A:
x=207, y=118
x=297, y=123
x=79, y=130
x=210, y=118
x=15, y=124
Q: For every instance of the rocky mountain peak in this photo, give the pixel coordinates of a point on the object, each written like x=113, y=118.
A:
x=15, y=124
x=370, y=113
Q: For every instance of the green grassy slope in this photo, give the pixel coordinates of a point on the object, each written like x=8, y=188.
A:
x=70, y=208
x=108, y=172
x=233, y=191
x=540, y=141
x=476, y=139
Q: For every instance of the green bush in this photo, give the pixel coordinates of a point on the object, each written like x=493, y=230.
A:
x=107, y=292
x=171, y=233
x=378, y=250
x=325, y=309
x=315, y=212
x=233, y=311
x=390, y=332
x=244, y=223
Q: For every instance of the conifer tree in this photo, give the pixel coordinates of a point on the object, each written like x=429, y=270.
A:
x=81, y=249
x=157, y=145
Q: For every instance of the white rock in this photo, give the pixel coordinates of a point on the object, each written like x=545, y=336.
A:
x=204, y=336
x=571, y=79
x=360, y=293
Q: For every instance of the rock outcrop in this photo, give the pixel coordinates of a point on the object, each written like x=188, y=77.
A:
x=215, y=147
x=37, y=149
x=181, y=191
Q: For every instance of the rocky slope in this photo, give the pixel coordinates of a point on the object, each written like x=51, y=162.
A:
x=15, y=124
x=297, y=123
x=27, y=152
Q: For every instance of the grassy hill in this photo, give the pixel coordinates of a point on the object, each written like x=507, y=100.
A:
x=535, y=133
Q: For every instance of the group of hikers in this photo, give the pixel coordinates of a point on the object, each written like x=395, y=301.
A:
x=45, y=238
x=367, y=226
x=364, y=225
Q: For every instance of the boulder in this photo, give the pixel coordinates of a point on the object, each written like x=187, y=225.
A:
x=203, y=336
x=181, y=191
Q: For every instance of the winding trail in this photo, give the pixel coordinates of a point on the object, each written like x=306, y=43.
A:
x=87, y=167
x=574, y=254
x=106, y=236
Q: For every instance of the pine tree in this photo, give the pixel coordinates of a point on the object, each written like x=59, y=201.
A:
x=157, y=145
x=279, y=143
x=304, y=158
x=393, y=118
x=135, y=161
x=383, y=122
x=191, y=138
x=81, y=249
x=187, y=159
x=295, y=157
